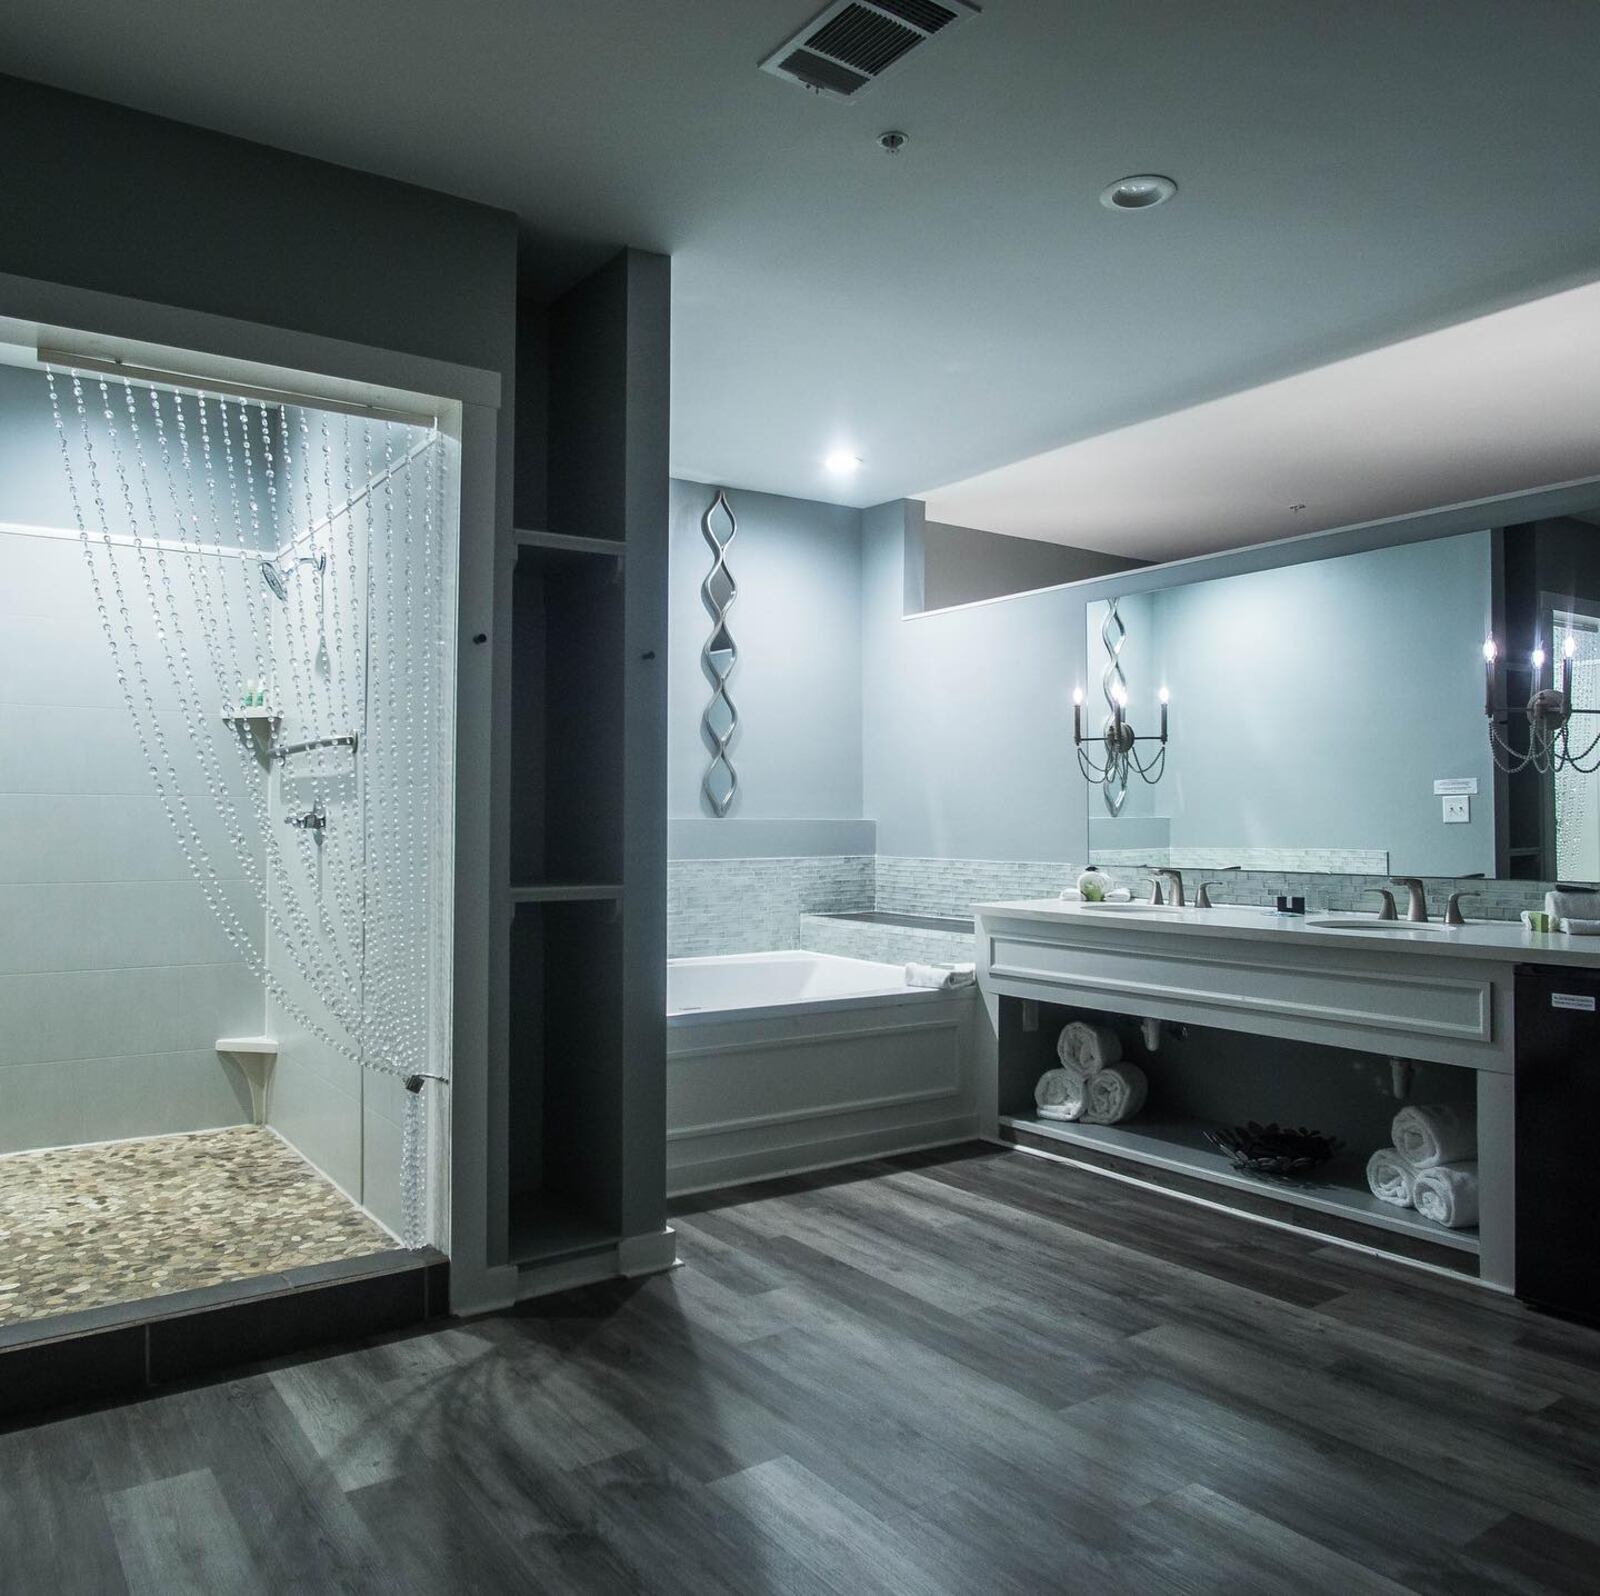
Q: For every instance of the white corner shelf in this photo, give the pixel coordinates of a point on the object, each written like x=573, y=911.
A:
x=1179, y=1146
x=255, y=1056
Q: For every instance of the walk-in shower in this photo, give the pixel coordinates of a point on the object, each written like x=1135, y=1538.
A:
x=226, y=738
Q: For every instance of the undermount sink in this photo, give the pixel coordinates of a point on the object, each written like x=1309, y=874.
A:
x=1370, y=922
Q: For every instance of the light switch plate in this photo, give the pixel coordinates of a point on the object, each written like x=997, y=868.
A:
x=1457, y=810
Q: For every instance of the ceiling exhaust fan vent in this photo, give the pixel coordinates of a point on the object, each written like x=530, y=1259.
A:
x=853, y=43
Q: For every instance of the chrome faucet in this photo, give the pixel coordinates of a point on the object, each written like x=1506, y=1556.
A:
x=1176, y=878
x=1387, y=911
x=1417, y=897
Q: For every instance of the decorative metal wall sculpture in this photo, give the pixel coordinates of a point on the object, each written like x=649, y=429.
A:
x=718, y=657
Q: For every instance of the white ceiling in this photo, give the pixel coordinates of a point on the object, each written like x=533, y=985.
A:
x=1503, y=403
x=1349, y=174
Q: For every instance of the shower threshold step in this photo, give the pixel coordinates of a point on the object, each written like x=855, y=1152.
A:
x=125, y=1349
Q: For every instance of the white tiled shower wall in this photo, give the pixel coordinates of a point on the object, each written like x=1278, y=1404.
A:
x=115, y=979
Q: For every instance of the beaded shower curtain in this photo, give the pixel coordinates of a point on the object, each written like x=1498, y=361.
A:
x=273, y=586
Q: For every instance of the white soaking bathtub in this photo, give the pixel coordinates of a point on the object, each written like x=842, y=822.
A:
x=781, y=1062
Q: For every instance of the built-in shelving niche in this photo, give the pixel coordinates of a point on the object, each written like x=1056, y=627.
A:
x=577, y=1124
x=566, y=711
x=565, y=1144
x=1201, y=1078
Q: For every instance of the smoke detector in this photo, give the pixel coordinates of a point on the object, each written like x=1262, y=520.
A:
x=854, y=43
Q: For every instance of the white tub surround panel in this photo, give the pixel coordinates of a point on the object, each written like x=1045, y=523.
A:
x=778, y=1063
x=1436, y=994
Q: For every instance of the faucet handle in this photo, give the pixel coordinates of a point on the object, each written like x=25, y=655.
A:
x=1387, y=912
x=1452, y=910
x=1202, y=896
x=1155, y=887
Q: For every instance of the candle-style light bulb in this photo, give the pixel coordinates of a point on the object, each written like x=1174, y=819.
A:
x=1077, y=716
x=1570, y=647
x=1077, y=696
x=1164, y=698
x=1569, y=650
x=1538, y=659
x=1491, y=651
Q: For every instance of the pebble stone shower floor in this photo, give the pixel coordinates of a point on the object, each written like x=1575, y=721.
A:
x=85, y=1227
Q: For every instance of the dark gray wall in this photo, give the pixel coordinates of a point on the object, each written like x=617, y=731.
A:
x=962, y=565
x=114, y=200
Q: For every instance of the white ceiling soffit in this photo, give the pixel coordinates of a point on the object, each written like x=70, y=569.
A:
x=1503, y=403
x=1348, y=175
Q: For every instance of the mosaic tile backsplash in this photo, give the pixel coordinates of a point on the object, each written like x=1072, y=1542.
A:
x=758, y=905
x=754, y=905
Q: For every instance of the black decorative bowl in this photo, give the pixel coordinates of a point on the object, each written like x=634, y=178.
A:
x=1274, y=1150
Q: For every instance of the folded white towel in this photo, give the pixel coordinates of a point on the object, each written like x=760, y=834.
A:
x=1572, y=905
x=1087, y=1048
x=1425, y=1136
x=1579, y=928
x=1119, y=895
x=1392, y=1178
x=1071, y=895
x=1060, y=1094
x=1114, y=1094
x=941, y=975
x=1448, y=1195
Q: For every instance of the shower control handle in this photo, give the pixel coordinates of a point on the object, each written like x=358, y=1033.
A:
x=315, y=819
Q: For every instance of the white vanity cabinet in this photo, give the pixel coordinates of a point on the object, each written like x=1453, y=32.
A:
x=1434, y=995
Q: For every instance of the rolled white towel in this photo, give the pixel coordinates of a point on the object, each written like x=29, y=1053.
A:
x=1427, y=1136
x=1569, y=905
x=1448, y=1195
x=1114, y=1094
x=1392, y=1178
x=1086, y=1047
x=1579, y=928
x=941, y=975
x=1060, y=1094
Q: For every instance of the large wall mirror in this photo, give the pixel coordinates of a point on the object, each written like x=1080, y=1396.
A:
x=1336, y=715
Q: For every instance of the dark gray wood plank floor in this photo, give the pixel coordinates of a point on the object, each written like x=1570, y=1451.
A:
x=966, y=1372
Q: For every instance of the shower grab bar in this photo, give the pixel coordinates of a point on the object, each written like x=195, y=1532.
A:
x=343, y=740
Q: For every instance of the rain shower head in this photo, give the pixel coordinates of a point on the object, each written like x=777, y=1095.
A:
x=276, y=575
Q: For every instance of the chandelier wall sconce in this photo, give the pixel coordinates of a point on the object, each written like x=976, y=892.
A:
x=1548, y=713
x=1117, y=759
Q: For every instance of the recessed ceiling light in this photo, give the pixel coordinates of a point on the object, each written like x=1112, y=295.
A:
x=1138, y=193
x=841, y=462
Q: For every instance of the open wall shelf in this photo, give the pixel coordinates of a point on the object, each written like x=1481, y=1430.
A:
x=564, y=1119
x=1201, y=1078
x=1179, y=1146
x=578, y=1133
x=532, y=544
x=566, y=708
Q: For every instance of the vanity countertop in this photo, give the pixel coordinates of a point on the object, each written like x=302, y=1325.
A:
x=1497, y=940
